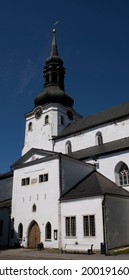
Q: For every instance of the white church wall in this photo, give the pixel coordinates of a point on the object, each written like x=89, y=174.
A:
x=78, y=209
x=108, y=163
x=38, y=134
x=44, y=195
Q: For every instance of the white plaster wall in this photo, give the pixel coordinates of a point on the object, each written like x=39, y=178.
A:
x=80, y=208
x=41, y=134
x=108, y=163
x=110, y=132
x=45, y=195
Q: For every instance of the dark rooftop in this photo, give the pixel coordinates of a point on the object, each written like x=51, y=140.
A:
x=94, y=184
x=112, y=114
x=110, y=147
x=6, y=184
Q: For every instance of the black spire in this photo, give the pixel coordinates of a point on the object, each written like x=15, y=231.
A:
x=54, y=51
x=54, y=72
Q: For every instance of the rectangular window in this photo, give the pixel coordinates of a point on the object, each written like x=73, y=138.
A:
x=1, y=227
x=89, y=225
x=43, y=178
x=25, y=181
x=70, y=226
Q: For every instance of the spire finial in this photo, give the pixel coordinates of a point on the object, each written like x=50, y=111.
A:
x=54, y=51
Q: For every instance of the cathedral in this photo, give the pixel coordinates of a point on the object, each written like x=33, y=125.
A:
x=70, y=188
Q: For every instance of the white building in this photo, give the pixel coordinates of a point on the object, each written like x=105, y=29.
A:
x=71, y=183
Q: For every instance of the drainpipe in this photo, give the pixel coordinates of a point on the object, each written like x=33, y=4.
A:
x=104, y=225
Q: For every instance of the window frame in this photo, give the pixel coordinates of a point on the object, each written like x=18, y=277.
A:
x=48, y=231
x=43, y=178
x=70, y=226
x=89, y=229
x=122, y=174
x=25, y=181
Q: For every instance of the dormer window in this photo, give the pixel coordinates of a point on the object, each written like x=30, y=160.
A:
x=46, y=119
x=99, y=138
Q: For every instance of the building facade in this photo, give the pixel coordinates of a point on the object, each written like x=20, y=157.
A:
x=72, y=179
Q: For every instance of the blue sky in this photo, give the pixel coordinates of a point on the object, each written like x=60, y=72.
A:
x=93, y=41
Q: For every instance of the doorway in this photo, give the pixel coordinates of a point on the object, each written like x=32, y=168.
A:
x=33, y=235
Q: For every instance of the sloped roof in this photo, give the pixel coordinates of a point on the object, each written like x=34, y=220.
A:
x=94, y=184
x=110, y=147
x=6, y=184
x=22, y=160
x=112, y=114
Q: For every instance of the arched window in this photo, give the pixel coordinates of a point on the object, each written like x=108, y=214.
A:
x=20, y=231
x=99, y=138
x=30, y=126
x=68, y=147
x=122, y=174
x=48, y=231
x=46, y=119
x=34, y=208
x=54, y=77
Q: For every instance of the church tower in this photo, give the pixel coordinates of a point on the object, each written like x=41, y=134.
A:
x=53, y=107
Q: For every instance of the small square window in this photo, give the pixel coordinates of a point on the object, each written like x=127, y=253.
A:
x=43, y=178
x=25, y=181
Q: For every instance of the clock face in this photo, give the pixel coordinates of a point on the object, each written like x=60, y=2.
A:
x=38, y=113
